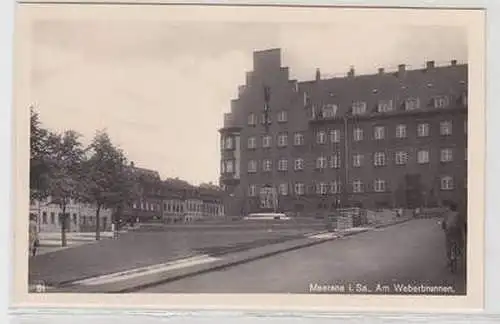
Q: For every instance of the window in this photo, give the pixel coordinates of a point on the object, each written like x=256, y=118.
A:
x=306, y=99
x=423, y=130
x=298, y=139
x=335, y=135
x=445, y=128
x=52, y=218
x=299, y=188
x=252, y=166
x=320, y=137
x=321, y=188
x=229, y=166
x=423, y=156
x=282, y=140
x=283, y=165
x=252, y=190
x=252, y=119
x=263, y=119
x=335, y=187
x=384, y=106
x=267, y=165
x=329, y=111
x=283, y=116
x=401, y=131
x=446, y=155
x=440, y=102
x=321, y=162
x=446, y=183
x=74, y=219
x=266, y=141
x=379, y=132
x=299, y=164
x=465, y=150
x=401, y=158
x=44, y=217
x=357, y=186
x=379, y=185
x=412, y=104
x=228, y=143
x=252, y=142
x=358, y=108
x=357, y=160
x=465, y=126
x=358, y=134
x=283, y=189
x=379, y=159
x=335, y=161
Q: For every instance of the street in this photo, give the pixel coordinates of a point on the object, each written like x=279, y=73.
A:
x=146, y=248
x=408, y=253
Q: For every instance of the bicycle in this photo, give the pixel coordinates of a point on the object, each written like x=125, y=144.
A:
x=455, y=256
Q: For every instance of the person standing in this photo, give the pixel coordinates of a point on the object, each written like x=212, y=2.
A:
x=33, y=235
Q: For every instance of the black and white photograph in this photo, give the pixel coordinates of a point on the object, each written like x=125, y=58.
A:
x=241, y=155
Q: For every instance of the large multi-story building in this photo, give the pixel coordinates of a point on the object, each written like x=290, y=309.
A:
x=397, y=139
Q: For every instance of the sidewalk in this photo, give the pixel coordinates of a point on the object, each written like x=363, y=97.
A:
x=134, y=278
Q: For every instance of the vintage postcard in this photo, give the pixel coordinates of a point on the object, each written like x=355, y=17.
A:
x=249, y=157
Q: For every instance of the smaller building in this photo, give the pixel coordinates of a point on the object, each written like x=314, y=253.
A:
x=81, y=217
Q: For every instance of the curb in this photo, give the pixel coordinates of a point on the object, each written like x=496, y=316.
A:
x=140, y=283
x=238, y=258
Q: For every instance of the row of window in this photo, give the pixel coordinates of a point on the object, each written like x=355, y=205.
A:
x=335, y=187
x=334, y=161
x=357, y=108
x=144, y=205
x=177, y=207
x=333, y=135
x=83, y=219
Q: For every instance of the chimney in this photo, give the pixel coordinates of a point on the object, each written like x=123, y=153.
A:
x=401, y=69
x=381, y=71
x=453, y=62
x=351, y=72
x=430, y=64
x=318, y=75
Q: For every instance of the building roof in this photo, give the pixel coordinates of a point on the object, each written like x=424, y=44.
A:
x=424, y=84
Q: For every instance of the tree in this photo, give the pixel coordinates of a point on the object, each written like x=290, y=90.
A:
x=64, y=181
x=41, y=148
x=107, y=177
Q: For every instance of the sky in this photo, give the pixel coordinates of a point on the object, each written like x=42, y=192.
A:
x=160, y=89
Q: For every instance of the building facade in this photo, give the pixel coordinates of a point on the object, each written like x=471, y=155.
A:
x=171, y=201
x=386, y=140
x=81, y=217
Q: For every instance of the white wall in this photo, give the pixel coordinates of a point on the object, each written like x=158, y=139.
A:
x=81, y=216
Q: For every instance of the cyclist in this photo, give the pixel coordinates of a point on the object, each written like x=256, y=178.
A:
x=454, y=226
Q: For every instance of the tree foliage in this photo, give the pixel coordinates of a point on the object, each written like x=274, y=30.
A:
x=41, y=150
x=65, y=174
x=109, y=183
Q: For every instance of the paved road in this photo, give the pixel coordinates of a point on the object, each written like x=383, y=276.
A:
x=139, y=249
x=411, y=252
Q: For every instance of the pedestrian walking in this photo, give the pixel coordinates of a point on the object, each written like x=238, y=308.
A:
x=33, y=235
